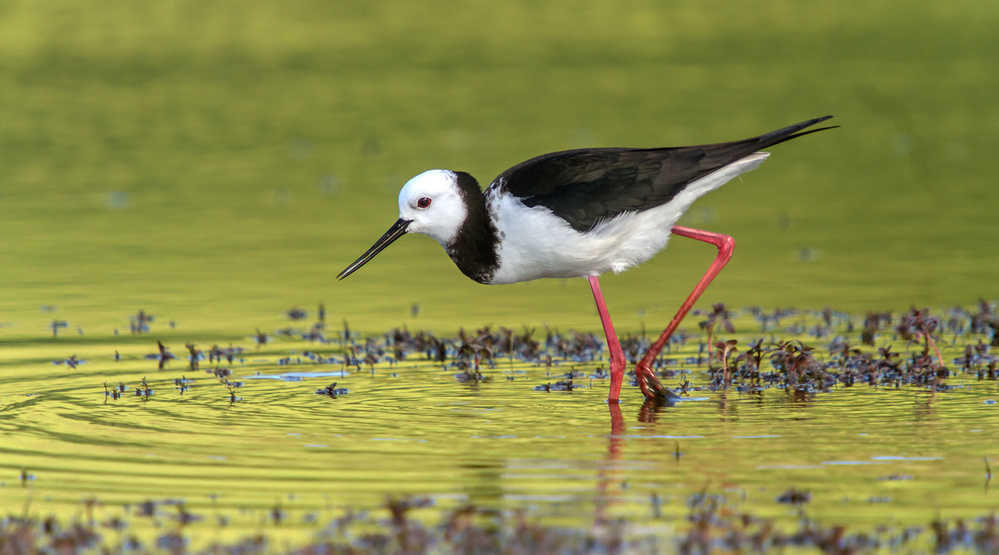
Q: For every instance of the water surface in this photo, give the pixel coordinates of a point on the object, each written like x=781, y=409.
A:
x=867, y=455
x=217, y=165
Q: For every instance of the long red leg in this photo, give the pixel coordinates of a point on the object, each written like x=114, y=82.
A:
x=617, y=362
x=646, y=377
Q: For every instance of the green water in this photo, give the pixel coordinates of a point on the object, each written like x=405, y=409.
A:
x=869, y=456
x=218, y=164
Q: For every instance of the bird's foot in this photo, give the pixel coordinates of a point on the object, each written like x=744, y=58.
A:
x=652, y=388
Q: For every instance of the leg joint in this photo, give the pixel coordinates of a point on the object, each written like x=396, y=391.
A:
x=726, y=245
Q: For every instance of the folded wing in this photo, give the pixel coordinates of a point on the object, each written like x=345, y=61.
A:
x=587, y=186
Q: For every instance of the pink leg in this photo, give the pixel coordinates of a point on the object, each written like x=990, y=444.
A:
x=617, y=362
x=646, y=377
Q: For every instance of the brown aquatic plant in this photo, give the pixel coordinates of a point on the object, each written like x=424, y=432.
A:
x=723, y=350
x=719, y=316
x=140, y=322
x=194, y=355
x=918, y=324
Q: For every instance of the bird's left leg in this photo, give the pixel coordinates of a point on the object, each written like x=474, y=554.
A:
x=646, y=376
x=617, y=361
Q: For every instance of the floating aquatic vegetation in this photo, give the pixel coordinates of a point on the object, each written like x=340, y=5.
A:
x=56, y=325
x=794, y=496
x=114, y=393
x=70, y=361
x=713, y=524
x=561, y=385
x=195, y=356
x=229, y=354
x=144, y=391
x=182, y=384
x=332, y=391
x=139, y=323
x=260, y=338
x=231, y=387
x=161, y=357
x=917, y=348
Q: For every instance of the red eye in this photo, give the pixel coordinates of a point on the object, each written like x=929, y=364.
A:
x=424, y=202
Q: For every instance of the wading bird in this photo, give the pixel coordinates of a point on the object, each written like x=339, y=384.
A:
x=579, y=213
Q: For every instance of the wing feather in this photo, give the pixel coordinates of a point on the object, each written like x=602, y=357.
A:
x=587, y=186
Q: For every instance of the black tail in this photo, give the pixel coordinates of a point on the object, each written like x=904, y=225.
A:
x=714, y=156
x=790, y=132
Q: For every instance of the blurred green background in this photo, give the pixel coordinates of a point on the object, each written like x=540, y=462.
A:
x=217, y=163
x=220, y=162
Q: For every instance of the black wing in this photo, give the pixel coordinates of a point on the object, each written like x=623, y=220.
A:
x=586, y=186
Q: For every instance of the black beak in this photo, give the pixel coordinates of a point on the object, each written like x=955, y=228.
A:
x=397, y=230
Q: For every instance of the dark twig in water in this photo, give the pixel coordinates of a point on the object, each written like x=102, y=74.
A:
x=988, y=473
x=332, y=391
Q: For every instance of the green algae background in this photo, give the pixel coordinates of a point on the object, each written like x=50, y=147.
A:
x=216, y=164
x=223, y=161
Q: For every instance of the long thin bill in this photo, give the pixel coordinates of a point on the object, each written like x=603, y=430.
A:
x=397, y=230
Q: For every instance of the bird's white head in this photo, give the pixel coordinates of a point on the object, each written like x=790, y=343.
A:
x=433, y=204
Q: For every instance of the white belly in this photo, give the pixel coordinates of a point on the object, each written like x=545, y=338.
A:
x=537, y=244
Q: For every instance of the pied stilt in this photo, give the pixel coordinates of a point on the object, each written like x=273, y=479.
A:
x=579, y=213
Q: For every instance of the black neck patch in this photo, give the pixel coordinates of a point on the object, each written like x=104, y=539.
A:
x=474, y=248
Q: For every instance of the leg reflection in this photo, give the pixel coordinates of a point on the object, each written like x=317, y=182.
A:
x=609, y=472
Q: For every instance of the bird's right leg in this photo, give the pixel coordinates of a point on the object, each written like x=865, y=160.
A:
x=617, y=361
x=643, y=370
